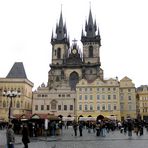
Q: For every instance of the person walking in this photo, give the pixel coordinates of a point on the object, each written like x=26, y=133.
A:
x=80, y=128
x=10, y=136
x=25, y=136
x=98, y=128
x=75, y=125
x=130, y=127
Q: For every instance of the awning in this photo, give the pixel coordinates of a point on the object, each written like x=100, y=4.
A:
x=87, y=119
x=68, y=118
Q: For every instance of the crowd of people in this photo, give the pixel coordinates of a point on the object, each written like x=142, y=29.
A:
x=102, y=127
x=99, y=128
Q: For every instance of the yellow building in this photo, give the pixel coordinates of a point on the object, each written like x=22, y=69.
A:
x=142, y=97
x=101, y=97
x=16, y=81
x=127, y=98
x=109, y=98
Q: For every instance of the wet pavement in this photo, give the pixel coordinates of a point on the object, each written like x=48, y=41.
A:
x=88, y=140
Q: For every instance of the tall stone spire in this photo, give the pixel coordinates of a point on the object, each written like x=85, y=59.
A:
x=61, y=32
x=60, y=29
x=90, y=29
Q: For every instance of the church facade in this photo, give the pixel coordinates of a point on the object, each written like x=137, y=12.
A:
x=76, y=78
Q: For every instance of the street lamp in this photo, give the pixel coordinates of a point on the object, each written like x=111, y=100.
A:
x=11, y=94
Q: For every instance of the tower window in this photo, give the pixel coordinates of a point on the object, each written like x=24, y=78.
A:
x=59, y=53
x=90, y=51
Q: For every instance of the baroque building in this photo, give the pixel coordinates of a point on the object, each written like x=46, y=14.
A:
x=76, y=85
x=142, y=102
x=17, y=82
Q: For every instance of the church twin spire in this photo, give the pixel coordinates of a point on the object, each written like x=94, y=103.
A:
x=90, y=26
x=61, y=32
x=88, y=36
x=90, y=29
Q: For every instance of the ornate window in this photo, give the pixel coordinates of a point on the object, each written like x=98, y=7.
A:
x=53, y=105
x=80, y=97
x=80, y=107
x=103, y=106
x=91, y=97
x=98, y=97
x=98, y=107
x=109, y=107
x=91, y=107
x=86, y=107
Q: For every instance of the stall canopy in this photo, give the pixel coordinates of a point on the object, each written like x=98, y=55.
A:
x=68, y=119
x=24, y=117
x=87, y=119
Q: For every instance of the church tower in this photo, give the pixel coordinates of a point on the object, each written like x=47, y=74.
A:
x=60, y=46
x=60, y=43
x=91, y=49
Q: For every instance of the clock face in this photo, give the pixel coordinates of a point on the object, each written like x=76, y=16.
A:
x=74, y=51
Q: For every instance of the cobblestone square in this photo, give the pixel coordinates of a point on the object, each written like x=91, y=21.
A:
x=89, y=140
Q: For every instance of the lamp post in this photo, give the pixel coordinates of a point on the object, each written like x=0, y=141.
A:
x=11, y=94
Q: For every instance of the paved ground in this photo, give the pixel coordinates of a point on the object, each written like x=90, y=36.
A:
x=68, y=140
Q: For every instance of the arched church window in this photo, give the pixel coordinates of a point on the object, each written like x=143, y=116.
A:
x=90, y=51
x=73, y=80
x=59, y=53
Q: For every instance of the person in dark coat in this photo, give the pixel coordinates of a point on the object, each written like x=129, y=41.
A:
x=80, y=128
x=10, y=137
x=25, y=136
x=75, y=125
x=130, y=127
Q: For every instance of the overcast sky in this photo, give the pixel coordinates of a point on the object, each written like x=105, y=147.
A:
x=26, y=27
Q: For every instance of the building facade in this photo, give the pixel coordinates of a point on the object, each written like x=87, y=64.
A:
x=16, y=81
x=142, y=100
x=76, y=85
x=127, y=98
